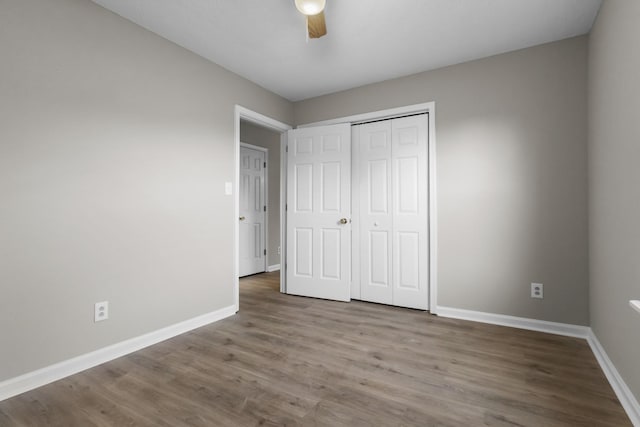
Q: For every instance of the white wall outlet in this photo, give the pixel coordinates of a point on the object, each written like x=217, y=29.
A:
x=101, y=311
x=537, y=290
x=228, y=188
x=278, y=250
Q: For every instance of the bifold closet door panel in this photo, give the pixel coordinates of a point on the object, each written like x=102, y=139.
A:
x=410, y=241
x=390, y=212
x=375, y=215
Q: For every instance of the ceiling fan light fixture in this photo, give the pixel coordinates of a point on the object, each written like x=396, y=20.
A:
x=310, y=7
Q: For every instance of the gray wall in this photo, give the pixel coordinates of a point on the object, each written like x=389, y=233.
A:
x=114, y=148
x=115, y=145
x=512, y=175
x=266, y=138
x=614, y=178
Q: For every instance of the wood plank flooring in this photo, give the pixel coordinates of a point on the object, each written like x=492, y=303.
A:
x=285, y=360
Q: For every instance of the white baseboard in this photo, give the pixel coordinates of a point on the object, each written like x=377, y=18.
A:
x=515, y=322
x=625, y=396
x=49, y=374
x=35, y=379
x=275, y=267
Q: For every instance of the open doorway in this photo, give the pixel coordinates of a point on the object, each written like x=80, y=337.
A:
x=253, y=216
x=259, y=193
x=259, y=236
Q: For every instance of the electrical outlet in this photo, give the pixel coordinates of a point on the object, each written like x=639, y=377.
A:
x=101, y=311
x=537, y=290
x=278, y=250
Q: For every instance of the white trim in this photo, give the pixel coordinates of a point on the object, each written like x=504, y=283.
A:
x=236, y=209
x=49, y=374
x=433, y=212
x=241, y=112
x=622, y=391
x=284, y=138
x=275, y=267
x=625, y=396
x=265, y=189
x=565, y=329
x=430, y=108
x=254, y=147
x=261, y=119
x=376, y=115
x=356, y=260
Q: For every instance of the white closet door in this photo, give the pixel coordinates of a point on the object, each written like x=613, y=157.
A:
x=410, y=250
x=390, y=212
x=252, y=211
x=375, y=223
x=318, y=212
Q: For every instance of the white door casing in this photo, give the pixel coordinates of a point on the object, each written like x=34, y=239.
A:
x=392, y=249
x=318, y=212
x=252, y=221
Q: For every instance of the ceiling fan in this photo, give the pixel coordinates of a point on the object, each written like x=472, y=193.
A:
x=314, y=11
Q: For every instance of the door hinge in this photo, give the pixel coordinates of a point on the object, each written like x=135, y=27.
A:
x=265, y=164
x=265, y=208
x=286, y=149
x=265, y=251
x=286, y=206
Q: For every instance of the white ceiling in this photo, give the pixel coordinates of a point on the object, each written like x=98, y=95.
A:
x=368, y=41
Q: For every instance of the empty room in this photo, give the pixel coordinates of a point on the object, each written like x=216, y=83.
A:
x=319, y=213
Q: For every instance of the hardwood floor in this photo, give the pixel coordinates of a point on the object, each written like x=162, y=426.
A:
x=285, y=360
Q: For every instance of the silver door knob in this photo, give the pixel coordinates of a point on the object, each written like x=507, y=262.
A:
x=242, y=218
x=344, y=221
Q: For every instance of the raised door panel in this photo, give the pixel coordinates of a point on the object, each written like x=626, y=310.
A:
x=379, y=253
x=303, y=184
x=406, y=185
x=330, y=264
x=303, y=262
x=408, y=262
x=330, y=191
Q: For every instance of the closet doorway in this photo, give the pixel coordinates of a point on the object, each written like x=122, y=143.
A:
x=390, y=212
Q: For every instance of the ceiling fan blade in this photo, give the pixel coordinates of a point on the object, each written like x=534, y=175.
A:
x=316, y=26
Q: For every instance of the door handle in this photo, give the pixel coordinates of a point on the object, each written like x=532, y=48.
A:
x=344, y=221
x=242, y=218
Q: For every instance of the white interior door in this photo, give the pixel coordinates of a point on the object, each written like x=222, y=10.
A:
x=318, y=212
x=392, y=211
x=252, y=211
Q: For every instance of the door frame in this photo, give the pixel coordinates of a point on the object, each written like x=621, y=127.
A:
x=254, y=117
x=265, y=234
x=430, y=108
